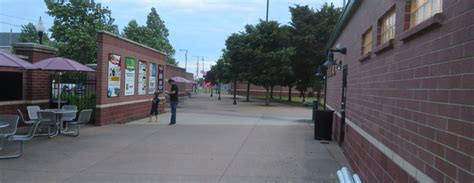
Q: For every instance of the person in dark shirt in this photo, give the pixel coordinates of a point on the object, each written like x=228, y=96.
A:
x=173, y=100
x=154, y=106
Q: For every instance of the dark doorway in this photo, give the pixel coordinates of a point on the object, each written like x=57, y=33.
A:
x=12, y=86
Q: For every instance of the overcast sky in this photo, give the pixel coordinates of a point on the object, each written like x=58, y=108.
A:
x=200, y=26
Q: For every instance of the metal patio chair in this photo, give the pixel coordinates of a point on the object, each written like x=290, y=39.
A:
x=69, y=116
x=84, y=117
x=22, y=118
x=10, y=130
x=33, y=112
x=48, y=120
x=22, y=138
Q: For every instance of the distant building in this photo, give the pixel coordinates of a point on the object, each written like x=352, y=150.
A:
x=7, y=39
x=409, y=108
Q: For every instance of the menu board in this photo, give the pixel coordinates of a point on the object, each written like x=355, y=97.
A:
x=142, y=78
x=113, y=84
x=152, y=80
x=161, y=77
x=129, y=76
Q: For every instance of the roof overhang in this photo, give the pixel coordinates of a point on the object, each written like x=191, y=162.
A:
x=345, y=17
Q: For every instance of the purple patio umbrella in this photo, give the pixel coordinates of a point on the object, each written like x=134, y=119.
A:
x=61, y=64
x=180, y=79
x=10, y=60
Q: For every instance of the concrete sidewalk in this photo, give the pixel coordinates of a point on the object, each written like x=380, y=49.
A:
x=214, y=141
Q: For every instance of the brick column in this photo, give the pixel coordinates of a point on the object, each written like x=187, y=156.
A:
x=37, y=82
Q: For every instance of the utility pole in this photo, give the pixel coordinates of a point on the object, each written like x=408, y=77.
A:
x=197, y=67
x=268, y=3
x=203, y=65
x=185, y=58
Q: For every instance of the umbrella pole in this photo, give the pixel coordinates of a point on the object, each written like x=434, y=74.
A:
x=59, y=92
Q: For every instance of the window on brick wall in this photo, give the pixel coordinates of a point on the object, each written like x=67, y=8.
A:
x=12, y=86
x=367, y=42
x=387, y=27
x=421, y=10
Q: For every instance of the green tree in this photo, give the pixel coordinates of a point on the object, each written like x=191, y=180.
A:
x=75, y=27
x=154, y=34
x=30, y=34
x=222, y=70
x=134, y=32
x=242, y=56
x=159, y=34
x=310, y=30
x=272, y=52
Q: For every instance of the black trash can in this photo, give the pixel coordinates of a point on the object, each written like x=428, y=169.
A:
x=315, y=108
x=323, y=125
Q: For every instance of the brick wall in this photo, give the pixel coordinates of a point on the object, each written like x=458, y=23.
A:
x=416, y=97
x=122, y=108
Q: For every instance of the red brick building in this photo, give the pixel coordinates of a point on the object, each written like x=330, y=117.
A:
x=410, y=89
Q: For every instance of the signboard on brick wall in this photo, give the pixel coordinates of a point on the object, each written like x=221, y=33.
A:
x=113, y=85
x=142, y=78
x=152, y=79
x=129, y=76
x=161, y=77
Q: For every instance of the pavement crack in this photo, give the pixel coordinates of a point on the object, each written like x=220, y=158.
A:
x=241, y=146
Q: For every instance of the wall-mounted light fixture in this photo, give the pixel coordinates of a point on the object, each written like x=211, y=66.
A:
x=330, y=57
x=330, y=61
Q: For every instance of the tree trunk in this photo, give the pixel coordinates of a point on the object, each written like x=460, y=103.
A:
x=303, y=96
x=248, y=91
x=271, y=92
x=267, y=98
x=289, y=92
x=235, y=92
x=281, y=88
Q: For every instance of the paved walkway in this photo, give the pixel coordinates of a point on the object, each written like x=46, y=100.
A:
x=214, y=141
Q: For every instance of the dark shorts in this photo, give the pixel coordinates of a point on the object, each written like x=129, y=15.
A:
x=154, y=110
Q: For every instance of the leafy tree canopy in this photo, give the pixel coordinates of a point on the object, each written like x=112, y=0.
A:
x=30, y=34
x=154, y=34
x=75, y=27
x=310, y=31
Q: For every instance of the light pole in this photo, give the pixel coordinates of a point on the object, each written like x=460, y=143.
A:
x=40, y=28
x=197, y=67
x=203, y=64
x=185, y=58
x=219, y=90
x=268, y=3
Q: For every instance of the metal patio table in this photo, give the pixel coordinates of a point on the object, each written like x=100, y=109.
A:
x=3, y=125
x=59, y=116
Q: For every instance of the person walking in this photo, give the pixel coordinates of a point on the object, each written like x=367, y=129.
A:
x=173, y=100
x=154, y=106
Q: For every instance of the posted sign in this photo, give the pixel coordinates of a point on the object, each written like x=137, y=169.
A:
x=129, y=76
x=113, y=85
